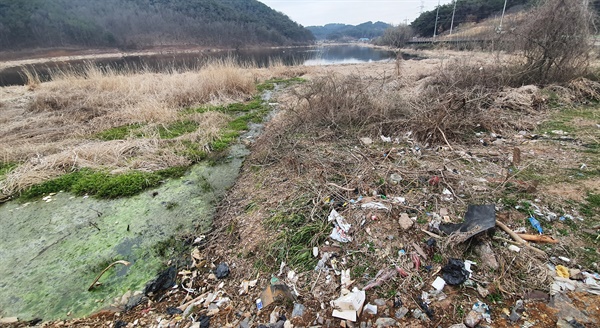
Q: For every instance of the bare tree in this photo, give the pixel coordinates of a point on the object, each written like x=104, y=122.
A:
x=555, y=41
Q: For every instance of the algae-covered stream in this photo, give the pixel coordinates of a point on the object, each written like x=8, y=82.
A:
x=50, y=252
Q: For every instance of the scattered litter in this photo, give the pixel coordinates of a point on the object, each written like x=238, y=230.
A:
x=245, y=286
x=370, y=309
x=562, y=271
x=447, y=195
x=386, y=139
x=484, y=310
x=315, y=251
x=345, y=279
x=349, y=306
x=455, y=273
x=276, y=293
x=259, y=304
x=439, y=283
x=340, y=227
x=322, y=264
x=395, y=178
x=401, y=313
x=374, y=206
x=380, y=278
x=398, y=200
x=478, y=219
x=517, y=311
x=416, y=261
x=514, y=248
x=385, y=322
x=298, y=310
x=222, y=271
x=536, y=224
x=564, y=259
x=173, y=311
x=162, y=282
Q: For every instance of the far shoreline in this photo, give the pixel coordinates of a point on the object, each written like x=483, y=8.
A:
x=41, y=56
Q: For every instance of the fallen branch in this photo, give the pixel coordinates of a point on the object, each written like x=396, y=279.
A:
x=431, y=234
x=507, y=241
x=125, y=263
x=184, y=306
x=520, y=240
x=340, y=187
x=538, y=238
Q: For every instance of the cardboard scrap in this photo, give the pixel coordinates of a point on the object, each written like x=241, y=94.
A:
x=276, y=293
x=349, y=306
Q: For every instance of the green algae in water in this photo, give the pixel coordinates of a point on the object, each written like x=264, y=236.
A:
x=51, y=252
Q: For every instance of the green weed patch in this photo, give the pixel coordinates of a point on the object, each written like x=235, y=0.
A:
x=270, y=84
x=103, y=184
x=119, y=133
x=177, y=129
x=5, y=168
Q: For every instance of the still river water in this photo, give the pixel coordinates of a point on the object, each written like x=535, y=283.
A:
x=322, y=55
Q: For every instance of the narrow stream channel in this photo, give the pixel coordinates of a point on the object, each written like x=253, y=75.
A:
x=51, y=251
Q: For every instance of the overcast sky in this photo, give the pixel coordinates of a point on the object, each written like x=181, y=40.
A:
x=321, y=12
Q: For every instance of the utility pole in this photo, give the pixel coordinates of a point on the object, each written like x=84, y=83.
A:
x=437, y=16
x=502, y=18
x=453, y=12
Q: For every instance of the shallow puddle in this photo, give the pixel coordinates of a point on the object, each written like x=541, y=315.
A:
x=50, y=252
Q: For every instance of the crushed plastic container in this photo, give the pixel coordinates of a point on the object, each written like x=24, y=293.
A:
x=536, y=224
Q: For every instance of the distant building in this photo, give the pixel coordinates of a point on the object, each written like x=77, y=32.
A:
x=364, y=40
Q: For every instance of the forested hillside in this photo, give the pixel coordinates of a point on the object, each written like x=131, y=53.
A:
x=144, y=23
x=466, y=11
x=342, y=31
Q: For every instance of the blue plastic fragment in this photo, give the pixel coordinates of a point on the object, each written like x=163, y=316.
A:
x=536, y=224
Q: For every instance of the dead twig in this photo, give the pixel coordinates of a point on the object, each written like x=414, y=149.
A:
x=445, y=139
x=125, y=263
x=516, y=237
x=431, y=234
x=340, y=187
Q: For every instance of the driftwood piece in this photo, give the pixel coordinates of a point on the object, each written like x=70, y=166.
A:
x=125, y=263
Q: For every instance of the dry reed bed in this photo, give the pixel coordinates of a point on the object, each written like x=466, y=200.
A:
x=53, y=133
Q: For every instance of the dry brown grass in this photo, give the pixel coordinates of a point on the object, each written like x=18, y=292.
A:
x=102, y=99
x=53, y=132
x=339, y=103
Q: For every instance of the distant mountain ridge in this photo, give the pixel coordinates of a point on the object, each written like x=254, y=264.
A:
x=338, y=32
x=144, y=23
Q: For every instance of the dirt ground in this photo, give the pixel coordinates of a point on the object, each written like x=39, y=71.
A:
x=272, y=227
